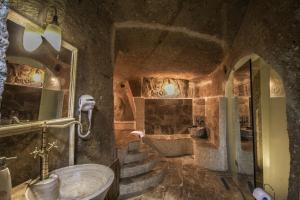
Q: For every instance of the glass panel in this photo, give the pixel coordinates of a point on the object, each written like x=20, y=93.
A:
x=243, y=97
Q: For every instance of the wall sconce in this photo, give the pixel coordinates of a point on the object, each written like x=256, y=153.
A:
x=32, y=39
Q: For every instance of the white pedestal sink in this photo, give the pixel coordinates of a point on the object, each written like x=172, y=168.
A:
x=81, y=182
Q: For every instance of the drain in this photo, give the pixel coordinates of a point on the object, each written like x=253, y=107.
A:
x=226, y=185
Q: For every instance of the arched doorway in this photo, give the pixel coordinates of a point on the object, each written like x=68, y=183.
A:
x=257, y=125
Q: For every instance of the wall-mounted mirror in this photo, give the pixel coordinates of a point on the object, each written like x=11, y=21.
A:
x=40, y=84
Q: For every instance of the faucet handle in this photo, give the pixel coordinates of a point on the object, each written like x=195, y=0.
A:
x=52, y=145
x=35, y=153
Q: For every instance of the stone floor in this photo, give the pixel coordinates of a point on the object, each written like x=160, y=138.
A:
x=186, y=181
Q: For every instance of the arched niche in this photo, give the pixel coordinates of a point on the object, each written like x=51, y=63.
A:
x=270, y=155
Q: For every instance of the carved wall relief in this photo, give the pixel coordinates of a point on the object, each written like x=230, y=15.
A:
x=165, y=87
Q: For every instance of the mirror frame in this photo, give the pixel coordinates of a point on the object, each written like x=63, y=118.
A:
x=9, y=130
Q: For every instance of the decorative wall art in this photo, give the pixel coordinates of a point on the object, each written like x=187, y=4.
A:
x=25, y=75
x=165, y=87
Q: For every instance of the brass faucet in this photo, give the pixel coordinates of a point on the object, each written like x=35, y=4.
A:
x=44, y=150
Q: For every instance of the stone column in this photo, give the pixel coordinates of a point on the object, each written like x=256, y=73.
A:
x=3, y=45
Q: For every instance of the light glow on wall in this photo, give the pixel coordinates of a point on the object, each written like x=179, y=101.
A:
x=170, y=89
x=37, y=78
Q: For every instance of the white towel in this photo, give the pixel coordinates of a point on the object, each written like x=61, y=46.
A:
x=141, y=134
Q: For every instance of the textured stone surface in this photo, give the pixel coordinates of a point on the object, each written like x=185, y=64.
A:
x=271, y=30
x=89, y=29
x=198, y=111
x=170, y=37
x=26, y=167
x=170, y=145
x=156, y=87
x=211, y=85
x=168, y=116
x=147, y=53
x=3, y=45
x=124, y=107
x=184, y=180
x=212, y=153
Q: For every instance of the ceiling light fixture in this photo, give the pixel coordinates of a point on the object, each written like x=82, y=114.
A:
x=32, y=38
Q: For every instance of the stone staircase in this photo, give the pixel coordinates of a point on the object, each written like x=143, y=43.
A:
x=141, y=169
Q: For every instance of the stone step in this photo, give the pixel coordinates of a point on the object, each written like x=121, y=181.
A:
x=138, y=146
x=134, y=146
x=137, y=185
x=135, y=157
x=139, y=167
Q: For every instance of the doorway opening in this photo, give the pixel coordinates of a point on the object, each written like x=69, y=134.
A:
x=257, y=126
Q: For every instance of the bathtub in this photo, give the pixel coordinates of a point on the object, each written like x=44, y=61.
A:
x=170, y=145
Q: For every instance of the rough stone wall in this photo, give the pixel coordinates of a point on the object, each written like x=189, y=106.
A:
x=3, y=45
x=124, y=108
x=271, y=29
x=86, y=26
x=211, y=85
x=214, y=156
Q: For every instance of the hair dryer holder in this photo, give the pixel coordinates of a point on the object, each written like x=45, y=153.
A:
x=86, y=104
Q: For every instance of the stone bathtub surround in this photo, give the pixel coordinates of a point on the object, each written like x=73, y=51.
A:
x=171, y=145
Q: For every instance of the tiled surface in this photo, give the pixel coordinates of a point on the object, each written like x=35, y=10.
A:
x=185, y=181
x=168, y=116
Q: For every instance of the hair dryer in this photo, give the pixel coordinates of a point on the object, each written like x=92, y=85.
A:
x=86, y=104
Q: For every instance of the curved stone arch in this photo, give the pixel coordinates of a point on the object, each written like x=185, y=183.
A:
x=275, y=76
x=276, y=84
x=241, y=61
x=280, y=92
x=175, y=29
x=162, y=27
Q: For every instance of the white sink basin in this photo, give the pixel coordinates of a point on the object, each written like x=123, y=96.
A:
x=82, y=182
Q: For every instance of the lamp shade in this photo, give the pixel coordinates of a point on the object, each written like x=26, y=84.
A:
x=32, y=39
x=53, y=35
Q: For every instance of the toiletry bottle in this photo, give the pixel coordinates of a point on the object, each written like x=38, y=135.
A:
x=5, y=179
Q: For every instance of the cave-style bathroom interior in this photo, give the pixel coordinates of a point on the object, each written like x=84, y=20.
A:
x=149, y=100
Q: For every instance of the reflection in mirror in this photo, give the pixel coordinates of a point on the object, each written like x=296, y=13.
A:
x=242, y=93
x=38, y=82
x=242, y=90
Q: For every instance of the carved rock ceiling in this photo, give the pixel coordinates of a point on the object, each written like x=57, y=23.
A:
x=145, y=53
x=173, y=38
